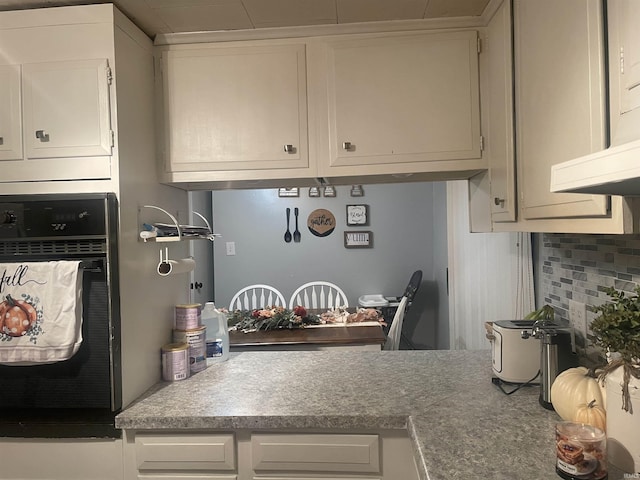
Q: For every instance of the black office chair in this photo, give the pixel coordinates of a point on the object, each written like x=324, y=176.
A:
x=414, y=285
x=410, y=293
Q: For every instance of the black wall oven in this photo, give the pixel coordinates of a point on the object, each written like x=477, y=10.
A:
x=80, y=396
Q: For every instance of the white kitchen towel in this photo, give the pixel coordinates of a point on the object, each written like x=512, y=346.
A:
x=40, y=312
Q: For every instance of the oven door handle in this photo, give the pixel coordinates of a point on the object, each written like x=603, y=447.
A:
x=95, y=265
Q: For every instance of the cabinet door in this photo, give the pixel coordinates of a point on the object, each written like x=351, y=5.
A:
x=624, y=55
x=236, y=108
x=500, y=149
x=315, y=452
x=190, y=476
x=560, y=100
x=185, y=452
x=66, y=109
x=397, y=99
x=10, y=118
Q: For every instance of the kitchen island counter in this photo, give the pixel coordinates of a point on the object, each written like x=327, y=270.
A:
x=459, y=423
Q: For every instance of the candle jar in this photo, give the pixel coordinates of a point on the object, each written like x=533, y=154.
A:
x=581, y=452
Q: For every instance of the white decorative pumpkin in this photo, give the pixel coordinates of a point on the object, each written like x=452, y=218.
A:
x=592, y=414
x=577, y=396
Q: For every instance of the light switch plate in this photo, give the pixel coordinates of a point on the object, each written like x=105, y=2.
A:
x=578, y=320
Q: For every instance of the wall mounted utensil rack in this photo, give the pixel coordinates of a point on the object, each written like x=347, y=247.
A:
x=174, y=232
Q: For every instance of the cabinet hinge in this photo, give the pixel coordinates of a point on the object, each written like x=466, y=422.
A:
x=481, y=143
x=109, y=76
x=113, y=138
x=479, y=40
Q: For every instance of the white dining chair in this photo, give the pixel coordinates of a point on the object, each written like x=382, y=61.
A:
x=257, y=296
x=318, y=294
x=395, y=330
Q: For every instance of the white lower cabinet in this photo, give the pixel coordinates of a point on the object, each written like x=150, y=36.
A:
x=198, y=476
x=273, y=455
x=185, y=452
x=283, y=452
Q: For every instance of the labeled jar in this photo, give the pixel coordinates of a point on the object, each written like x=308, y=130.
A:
x=581, y=452
x=195, y=338
x=187, y=317
x=175, y=361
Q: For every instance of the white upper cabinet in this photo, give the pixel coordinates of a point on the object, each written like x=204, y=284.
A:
x=341, y=107
x=10, y=115
x=558, y=114
x=624, y=69
x=397, y=103
x=499, y=116
x=236, y=109
x=560, y=100
x=66, y=109
x=55, y=96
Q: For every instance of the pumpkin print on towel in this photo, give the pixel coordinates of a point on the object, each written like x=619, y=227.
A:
x=19, y=318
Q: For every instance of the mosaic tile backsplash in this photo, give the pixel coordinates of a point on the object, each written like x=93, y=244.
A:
x=579, y=267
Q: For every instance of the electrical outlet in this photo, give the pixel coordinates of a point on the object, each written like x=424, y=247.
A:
x=231, y=248
x=578, y=319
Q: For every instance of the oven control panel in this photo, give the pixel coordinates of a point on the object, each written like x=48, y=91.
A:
x=53, y=218
x=10, y=215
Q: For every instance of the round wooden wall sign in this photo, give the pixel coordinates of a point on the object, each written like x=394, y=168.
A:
x=321, y=222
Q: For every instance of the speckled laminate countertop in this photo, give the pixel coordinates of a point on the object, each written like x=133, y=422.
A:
x=460, y=424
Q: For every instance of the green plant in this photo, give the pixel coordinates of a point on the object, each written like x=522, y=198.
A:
x=617, y=329
x=546, y=313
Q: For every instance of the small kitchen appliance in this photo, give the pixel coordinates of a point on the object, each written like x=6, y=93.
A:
x=556, y=355
x=514, y=359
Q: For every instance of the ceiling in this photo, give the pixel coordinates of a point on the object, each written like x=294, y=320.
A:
x=173, y=16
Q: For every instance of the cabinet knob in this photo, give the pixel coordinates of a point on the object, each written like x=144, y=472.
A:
x=499, y=201
x=42, y=135
x=289, y=149
x=347, y=146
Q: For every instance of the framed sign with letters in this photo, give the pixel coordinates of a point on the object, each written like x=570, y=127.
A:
x=358, y=239
x=357, y=215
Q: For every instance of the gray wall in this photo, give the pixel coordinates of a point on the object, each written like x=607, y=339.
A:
x=408, y=222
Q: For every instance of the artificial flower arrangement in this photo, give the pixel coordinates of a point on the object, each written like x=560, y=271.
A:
x=271, y=318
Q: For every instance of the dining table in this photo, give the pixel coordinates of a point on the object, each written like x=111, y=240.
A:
x=368, y=335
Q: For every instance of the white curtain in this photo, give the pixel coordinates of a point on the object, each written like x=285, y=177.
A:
x=490, y=274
